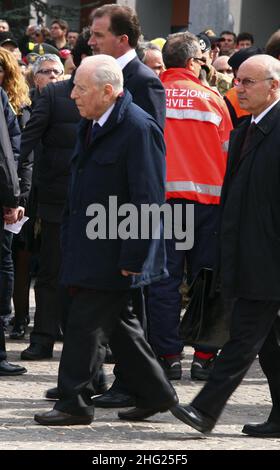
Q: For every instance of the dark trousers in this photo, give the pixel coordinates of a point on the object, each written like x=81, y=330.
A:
x=136, y=304
x=255, y=329
x=164, y=298
x=6, y=274
x=49, y=296
x=94, y=318
x=3, y=354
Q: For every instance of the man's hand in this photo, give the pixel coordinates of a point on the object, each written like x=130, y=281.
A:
x=128, y=273
x=12, y=214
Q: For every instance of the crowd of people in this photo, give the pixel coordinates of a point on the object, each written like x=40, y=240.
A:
x=189, y=121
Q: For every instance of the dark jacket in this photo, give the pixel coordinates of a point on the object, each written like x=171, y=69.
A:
x=54, y=123
x=250, y=229
x=9, y=150
x=146, y=89
x=126, y=159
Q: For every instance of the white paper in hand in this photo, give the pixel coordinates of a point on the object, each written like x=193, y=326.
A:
x=16, y=228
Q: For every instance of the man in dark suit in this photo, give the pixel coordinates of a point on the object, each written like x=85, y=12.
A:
x=250, y=251
x=96, y=266
x=115, y=31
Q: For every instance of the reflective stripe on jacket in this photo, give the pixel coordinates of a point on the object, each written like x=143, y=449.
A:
x=196, y=133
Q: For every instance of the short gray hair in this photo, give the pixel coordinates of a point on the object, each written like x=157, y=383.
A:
x=105, y=69
x=45, y=58
x=179, y=48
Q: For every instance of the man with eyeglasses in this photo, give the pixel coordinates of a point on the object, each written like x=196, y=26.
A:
x=47, y=69
x=238, y=114
x=249, y=251
x=52, y=127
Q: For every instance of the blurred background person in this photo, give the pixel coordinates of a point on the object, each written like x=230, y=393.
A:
x=4, y=25
x=58, y=31
x=221, y=65
x=72, y=37
x=244, y=40
x=151, y=55
x=273, y=45
x=12, y=81
x=228, y=45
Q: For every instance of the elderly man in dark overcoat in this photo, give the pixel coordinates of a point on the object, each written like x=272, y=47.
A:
x=120, y=154
x=250, y=251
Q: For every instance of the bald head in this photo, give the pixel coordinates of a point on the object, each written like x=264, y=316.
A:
x=221, y=64
x=259, y=83
x=263, y=63
x=98, y=83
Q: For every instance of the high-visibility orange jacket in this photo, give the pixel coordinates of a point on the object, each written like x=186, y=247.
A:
x=196, y=134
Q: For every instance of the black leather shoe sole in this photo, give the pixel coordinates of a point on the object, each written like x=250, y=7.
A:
x=117, y=401
x=186, y=417
x=140, y=414
x=66, y=420
x=11, y=373
x=26, y=356
x=262, y=430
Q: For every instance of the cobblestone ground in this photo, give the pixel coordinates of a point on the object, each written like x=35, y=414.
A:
x=21, y=397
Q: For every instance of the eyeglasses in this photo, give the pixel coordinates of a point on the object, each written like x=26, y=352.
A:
x=50, y=71
x=199, y=59
x=248, y=82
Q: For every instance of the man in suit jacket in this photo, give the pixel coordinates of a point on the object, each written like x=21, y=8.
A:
x=98, y=269
x=115, y=31
x=250, y=251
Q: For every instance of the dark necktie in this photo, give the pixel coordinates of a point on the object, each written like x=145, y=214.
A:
x=250, y=131
x=92, y=132
x=95, y=129
x=246, y=142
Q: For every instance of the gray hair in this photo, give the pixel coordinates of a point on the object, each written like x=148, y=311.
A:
x=44, y=58
x=143, y=47
x=105, y=69
x=179, y=48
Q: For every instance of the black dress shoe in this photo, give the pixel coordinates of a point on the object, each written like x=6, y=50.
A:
x=18, y=331
x=36, y=351
x=194, y=418
x=53, y=393
x=6, y=368
x=112, y=399
x=266, y=429
x=139, y=414
x=58, y=418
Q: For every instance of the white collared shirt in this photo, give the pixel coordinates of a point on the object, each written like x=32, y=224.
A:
x=101, y=121
x=126, y=58
x=260, y=116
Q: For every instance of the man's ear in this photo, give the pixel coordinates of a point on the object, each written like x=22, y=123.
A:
x=124, y=39
x=275, y=84
x=190, y=64
x=108, y=91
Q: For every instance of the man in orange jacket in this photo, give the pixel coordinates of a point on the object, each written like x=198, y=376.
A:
x=196, y=134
